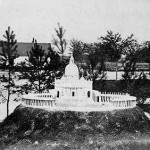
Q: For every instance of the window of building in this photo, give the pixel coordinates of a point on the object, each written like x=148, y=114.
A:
x=97, y=98
x=88, y=93
x=58, y=94
x=73, y=93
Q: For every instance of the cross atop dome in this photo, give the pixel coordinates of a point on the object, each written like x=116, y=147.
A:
x=71, y=70
x=71, y=58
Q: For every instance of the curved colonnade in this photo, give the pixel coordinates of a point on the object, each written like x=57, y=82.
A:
x=39, y=100
x=49, y=100
x=115, y=99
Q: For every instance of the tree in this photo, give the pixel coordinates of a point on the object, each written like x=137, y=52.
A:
x=41, y=67
x=60, y=44
x=59, y=41
x=78, y=48
x=144, y=54
x=130, y=49
x=54, y=66
x=112, y=44
x=8, y=54
x=95, y=61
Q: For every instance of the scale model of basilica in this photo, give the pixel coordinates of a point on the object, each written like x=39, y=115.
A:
x=70, y=86
x=73, y=91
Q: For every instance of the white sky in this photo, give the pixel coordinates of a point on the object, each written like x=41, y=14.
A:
x=83, y=19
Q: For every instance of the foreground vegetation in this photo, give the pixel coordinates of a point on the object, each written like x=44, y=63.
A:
x=31, y=128
x=91, y=143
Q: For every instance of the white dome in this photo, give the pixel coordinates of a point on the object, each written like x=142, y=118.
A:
x=82, y=79
x=71, y=69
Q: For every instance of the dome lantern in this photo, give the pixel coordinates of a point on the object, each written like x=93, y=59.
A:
x=71, y=69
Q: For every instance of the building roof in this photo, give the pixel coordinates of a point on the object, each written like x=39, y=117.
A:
x=24, y=47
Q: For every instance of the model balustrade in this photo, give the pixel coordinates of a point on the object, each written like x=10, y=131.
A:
x=116, y=99
x=44, y=100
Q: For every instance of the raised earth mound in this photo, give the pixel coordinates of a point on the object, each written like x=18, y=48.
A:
x=33, y=128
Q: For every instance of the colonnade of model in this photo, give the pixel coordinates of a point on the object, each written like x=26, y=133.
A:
x=127, y=103
x=114, y=99
x=39, y=103
x=39, y=100
x=118, y=100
